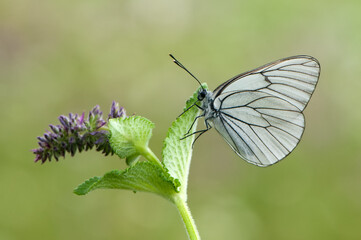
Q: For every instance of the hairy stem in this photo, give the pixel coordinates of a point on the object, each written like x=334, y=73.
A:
x=187, y=218
x=178, y=200
x=150, y=156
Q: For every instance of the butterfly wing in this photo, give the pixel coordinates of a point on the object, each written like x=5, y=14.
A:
x=260, y=111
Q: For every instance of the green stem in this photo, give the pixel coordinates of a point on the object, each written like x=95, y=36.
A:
x=180, y=203
x=187, y=218
x=149, y=155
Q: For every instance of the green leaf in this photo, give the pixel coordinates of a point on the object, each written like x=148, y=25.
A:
x=177, y=153
x=142, y=176
x=130, y=136
x=85, y=187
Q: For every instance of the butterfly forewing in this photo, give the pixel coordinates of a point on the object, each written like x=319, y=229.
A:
x=260, y=111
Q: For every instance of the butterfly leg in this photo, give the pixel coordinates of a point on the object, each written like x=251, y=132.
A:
x=194, y=123
x=202, y=131
x=194, y=104
x=208, y=126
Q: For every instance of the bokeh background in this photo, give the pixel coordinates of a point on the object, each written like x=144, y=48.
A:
x=58, y=57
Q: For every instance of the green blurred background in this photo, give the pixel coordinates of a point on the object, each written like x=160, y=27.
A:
x=58, y=57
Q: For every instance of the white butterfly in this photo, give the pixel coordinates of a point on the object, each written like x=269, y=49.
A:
x=259, y=112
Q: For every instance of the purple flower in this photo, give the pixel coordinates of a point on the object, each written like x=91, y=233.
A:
x=77, y=134
x=116, y=111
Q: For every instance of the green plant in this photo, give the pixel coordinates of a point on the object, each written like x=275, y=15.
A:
x=128, y=137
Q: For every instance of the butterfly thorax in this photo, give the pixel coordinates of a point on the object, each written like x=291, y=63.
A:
x=207, y=105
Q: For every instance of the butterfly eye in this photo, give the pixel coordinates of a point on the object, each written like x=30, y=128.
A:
x=202, y=94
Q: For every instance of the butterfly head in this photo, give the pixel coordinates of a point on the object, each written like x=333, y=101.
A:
x=202, y=94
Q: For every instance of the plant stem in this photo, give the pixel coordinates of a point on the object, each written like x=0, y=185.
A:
x=180, y=203
x=150, y=156
x=187, y=218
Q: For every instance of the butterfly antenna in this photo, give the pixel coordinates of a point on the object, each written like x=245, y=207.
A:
x=184, y=68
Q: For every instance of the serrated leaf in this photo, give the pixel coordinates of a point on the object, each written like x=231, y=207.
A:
x=85, y=187
x=177, y=153
x=142, y=176
x=130, y=135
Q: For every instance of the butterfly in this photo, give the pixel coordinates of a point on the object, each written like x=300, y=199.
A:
x=259, y=113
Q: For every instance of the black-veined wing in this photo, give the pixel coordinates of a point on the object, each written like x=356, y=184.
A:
x=260, y=111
